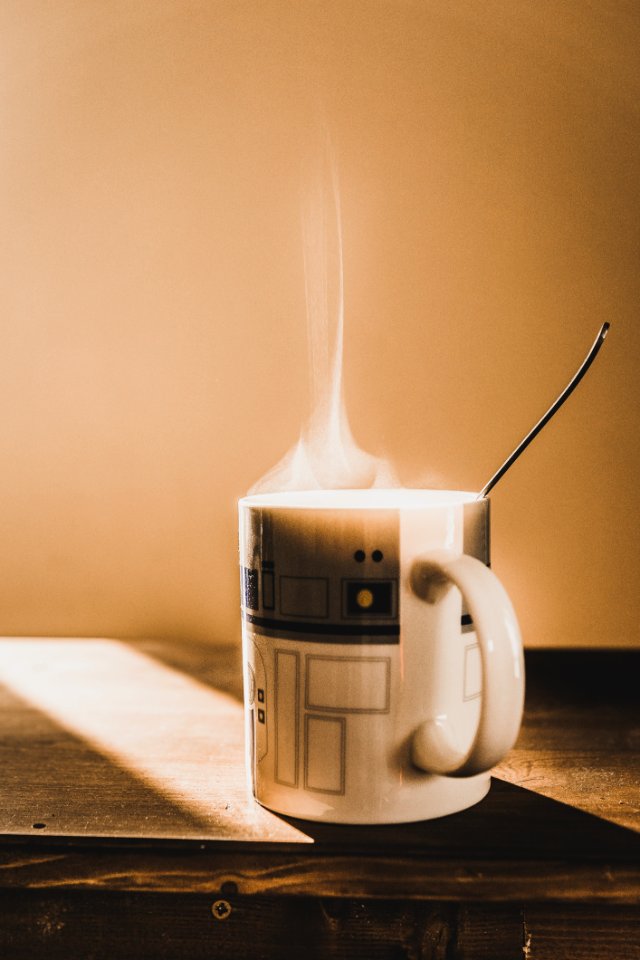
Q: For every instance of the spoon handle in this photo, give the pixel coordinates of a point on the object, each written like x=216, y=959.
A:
x=555, y=406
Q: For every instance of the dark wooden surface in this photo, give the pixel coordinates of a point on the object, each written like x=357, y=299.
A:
x=124, y=818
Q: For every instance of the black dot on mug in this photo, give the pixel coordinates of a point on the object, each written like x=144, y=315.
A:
x=360, y=556
x=377, y=556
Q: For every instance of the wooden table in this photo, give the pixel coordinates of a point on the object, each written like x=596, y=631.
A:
x=127, y=830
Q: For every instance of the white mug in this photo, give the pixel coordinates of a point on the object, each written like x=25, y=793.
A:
x=383, y=662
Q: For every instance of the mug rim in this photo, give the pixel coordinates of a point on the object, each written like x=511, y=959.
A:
x=370, y=498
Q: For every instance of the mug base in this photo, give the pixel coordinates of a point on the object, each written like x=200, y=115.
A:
x=442, y=797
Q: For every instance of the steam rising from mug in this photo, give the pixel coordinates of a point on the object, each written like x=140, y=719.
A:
x=326, y=456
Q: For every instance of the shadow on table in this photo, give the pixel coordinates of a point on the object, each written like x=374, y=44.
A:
x=511, y=823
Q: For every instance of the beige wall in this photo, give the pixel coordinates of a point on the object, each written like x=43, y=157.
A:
x=153, y=358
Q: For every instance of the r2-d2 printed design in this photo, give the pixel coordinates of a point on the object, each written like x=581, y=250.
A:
x=324, y=658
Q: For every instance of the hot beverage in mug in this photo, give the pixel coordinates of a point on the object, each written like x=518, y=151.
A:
x=383, y=661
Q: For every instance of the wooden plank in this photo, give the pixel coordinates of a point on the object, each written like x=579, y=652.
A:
x=107, y=742
x=580, y=740
x=126, y=817
x=605, y=785
x=511, y=824
x=489, y=931
x=120, y=926
x=581, y=932
x=389, y=876
x=149, y=751
x=256, y=928
x=101, y=739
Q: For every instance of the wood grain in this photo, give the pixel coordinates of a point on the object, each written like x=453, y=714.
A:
x=158, y=761
x=323, y=875
x=255, y=928
x=108, y=925
x=100, y=738
x=580, y=932
x=125, y=817
x=64, y=926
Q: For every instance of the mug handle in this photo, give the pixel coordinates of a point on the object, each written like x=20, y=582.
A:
x=434, y=746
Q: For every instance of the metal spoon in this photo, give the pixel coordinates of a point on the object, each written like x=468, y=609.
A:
x=555, y=406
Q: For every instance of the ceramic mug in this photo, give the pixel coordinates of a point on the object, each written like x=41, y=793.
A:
x=383, y=661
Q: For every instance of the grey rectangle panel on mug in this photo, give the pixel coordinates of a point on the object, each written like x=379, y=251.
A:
x=304, y=597
x=348, y=684
x=325, y=761
x=286, y=717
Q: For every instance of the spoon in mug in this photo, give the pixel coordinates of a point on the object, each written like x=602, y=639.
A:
x=555, y=406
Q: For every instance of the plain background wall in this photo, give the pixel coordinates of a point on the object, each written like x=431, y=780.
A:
x=153, y=355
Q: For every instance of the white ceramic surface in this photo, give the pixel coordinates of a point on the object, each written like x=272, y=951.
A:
x=383, y=661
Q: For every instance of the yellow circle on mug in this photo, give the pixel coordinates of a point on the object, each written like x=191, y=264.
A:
x=364, y=598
